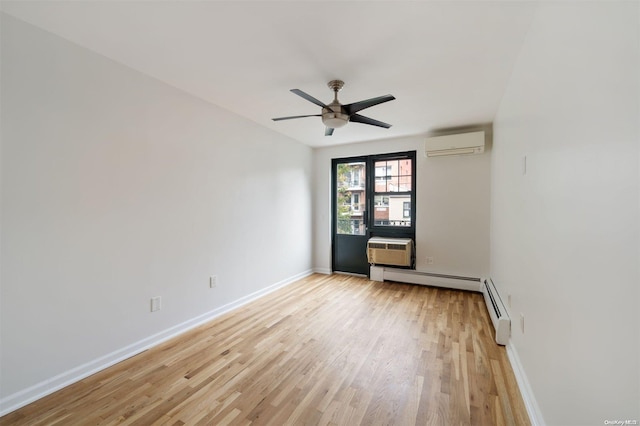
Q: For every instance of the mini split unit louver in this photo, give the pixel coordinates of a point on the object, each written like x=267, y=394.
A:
x=464, y=143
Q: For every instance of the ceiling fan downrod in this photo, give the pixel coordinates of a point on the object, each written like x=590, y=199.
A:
x=333, y=115
x=335, y=85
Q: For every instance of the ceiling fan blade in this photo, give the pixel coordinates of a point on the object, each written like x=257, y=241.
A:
x=366, y=120
x=296, y=116
x=359, y=106
x=328, y=131
x=308, y=97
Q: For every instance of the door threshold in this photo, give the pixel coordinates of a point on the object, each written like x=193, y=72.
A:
x=351, y=274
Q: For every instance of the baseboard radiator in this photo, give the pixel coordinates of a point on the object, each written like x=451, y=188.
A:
x=411, y=276
x=497, y=311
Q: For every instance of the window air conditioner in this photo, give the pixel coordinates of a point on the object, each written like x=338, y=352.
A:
x=464, y=143
x=390, y=251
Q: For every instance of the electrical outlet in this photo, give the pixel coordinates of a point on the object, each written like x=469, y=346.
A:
x=429, y=260
x=156, y=303
x=213, y=281
x=522, y=322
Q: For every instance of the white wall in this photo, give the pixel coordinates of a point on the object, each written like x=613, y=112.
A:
x=564, y=237
x=116, y=188
x=452, y=206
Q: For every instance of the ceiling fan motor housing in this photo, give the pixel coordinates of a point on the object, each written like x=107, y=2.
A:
x=334, y=116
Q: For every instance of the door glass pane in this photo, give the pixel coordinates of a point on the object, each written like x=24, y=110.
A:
x=350, y=198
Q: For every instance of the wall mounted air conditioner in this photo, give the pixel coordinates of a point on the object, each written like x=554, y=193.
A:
x=390, y=251
x=464, y=143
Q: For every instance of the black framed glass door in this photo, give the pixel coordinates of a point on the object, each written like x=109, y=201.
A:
x=350, y=219
x=371, y=196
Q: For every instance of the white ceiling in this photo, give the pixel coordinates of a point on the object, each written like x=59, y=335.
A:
x=447, y=63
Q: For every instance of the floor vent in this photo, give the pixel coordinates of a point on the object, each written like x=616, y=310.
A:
x=497, y=311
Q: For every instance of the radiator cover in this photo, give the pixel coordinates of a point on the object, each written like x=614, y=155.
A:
x=497, y=311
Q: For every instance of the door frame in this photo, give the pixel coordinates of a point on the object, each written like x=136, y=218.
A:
x=371, y=230
x=334, y=203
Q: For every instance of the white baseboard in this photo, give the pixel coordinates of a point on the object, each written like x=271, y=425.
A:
x=535, y=415
x=26, y=396
x=325, y=271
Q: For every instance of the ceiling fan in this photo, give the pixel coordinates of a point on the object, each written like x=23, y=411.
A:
x=335, y=114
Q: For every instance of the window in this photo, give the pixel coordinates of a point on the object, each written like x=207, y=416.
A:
x=374, y=195
x=355, y=201
x=393, y=191
x=355, y=178
x=382, y=173
x=381, y=201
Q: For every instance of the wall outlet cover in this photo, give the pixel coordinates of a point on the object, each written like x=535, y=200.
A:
x=156, y=303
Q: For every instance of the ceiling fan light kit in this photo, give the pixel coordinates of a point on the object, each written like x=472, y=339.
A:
x=336, y=115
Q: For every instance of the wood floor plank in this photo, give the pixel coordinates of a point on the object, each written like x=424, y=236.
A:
x=326, y=350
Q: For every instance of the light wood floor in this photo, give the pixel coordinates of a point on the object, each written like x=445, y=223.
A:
x=327, y=350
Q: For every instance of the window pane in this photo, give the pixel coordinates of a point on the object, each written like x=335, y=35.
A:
x=405, y=175
x=393, y=176
x=392, y=184
x=380, y=200
x=398, y=215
